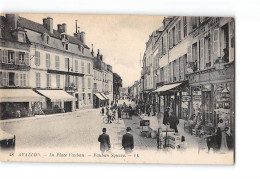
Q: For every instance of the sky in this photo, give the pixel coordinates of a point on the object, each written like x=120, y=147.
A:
x=120, y=38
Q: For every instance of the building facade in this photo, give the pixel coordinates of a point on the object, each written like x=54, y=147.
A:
x=103, y=82
x=188, y=66
x=57, y=66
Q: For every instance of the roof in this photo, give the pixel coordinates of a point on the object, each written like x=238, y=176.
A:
x=34, y=26
x=6, y=31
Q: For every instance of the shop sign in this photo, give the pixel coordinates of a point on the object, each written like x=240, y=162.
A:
x=145, y=123
x=186, y=98
x=197, y=98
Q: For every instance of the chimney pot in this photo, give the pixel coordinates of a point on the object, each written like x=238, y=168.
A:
x=48, y=24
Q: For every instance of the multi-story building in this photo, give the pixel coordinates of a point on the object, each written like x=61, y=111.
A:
x=60, y=65
x=103, y=81
x=193, y=67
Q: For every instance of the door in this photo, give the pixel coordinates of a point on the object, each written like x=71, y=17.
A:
x=77, y=102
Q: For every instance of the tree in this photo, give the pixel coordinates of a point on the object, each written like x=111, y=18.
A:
x=117, y=83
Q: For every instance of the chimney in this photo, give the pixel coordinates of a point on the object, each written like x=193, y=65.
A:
x=12, y=20
x=64, y=28
x=48, y=24
x=101, y=57
x=59, y=28
x=92, y=52
x=166, y=21
x=98, y=55
x=80, y=36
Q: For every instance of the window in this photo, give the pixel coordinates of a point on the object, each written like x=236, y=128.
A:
x=48, y=80
x=38, y=80
x=24, y=80
x=57, y=62
x=179, y=31
x=11, y=79
x=194, y=52
x=216, y=44
x=88, y=68
x=84, y=97
x=89, y=83
x=47, y=39
x=48, y=61
x=10, y=56
x=58, y=81
x=76, y=81
x=67, y=64
x=89, y=98
x=37, y=58
x=21, y=37
x=171, y=38
x=164, y=44
x=5, y=79
x=21, y=58
x=201, y=54
x=66, y=46
x=185, y=31
x=83, y=83
x=76, y=66
x=82, y=67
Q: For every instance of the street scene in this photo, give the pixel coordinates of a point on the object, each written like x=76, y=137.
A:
x=153, y=89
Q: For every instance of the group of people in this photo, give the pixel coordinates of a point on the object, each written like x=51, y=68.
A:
x=169, y=118
x=127, y=141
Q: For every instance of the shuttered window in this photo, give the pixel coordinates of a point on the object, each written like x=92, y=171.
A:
x=170, y=39
x=215, y=44
x=16, y=57
x=164, y=44
x=48, y=80
x=48, y=61
x=16, y=82
x=179, y=31
x=202, y=53
x=38, y=79
x=5, y=79
x=88, y=68
x=185, y=29
x=82, y=67
x=83, y=82
x=57, y=62
x=58, y=81
x=37, y=58
x=76, y=66
x=89, y=83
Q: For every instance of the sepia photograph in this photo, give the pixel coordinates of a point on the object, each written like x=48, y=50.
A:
x=117, y=88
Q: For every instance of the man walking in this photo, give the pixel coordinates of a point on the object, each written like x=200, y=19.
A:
x=104, y=141
x=128, y=141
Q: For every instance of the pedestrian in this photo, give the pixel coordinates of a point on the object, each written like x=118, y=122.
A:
x=119, y=112
x=174, y=121
x=128, y=141
x=104, y=141
x=166, y=116
x=103, y=111
x=223, y=144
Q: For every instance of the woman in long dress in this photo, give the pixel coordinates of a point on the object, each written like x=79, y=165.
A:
x=223, y=145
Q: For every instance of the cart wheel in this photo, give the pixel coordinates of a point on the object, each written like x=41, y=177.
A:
x=105, y=120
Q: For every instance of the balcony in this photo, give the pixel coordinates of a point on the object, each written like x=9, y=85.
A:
x=71, y=89
x=13, y=66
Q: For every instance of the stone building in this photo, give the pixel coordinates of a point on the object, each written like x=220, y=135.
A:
x=60, y=66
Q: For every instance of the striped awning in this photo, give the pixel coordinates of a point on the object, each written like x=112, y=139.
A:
x=57, y=95
x=167, y=87
x=100, y=96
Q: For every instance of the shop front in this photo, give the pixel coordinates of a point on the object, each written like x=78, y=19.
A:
x=212, y=95
x=18, y=102
x=57, y=101
x=99, y=100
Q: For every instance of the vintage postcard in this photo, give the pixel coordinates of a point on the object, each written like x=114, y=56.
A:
x=117, y=89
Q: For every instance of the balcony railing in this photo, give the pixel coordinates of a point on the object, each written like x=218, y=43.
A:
x=12, y=66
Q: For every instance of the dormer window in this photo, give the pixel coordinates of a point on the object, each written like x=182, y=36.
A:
x=81, y=49
x=21, y=36
x=66, y=46
x=64, y=37
x=46, y=38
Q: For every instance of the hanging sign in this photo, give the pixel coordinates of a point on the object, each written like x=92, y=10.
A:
x=186, y=98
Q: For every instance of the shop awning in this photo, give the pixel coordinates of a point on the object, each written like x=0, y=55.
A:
x=105, y=96
x=100, y=96
x=19, y=95
x=57, y=95
x=167, y=87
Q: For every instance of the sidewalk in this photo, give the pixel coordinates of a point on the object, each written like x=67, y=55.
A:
x=46, y=116
x=192, y=141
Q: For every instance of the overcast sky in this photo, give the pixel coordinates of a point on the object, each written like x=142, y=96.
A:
x=120, y=39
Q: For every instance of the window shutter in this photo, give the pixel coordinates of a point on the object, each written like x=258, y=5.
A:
x=7, y=79
x=202, y=53
x=36, y=58
x=16, y=81
x=39, y=58
x=5, y=56
x=1, y=55
x=24, y=80
x=27, y=58
x=215, y=44
x=21, y=79
x=16, y=57
x=4, y=79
